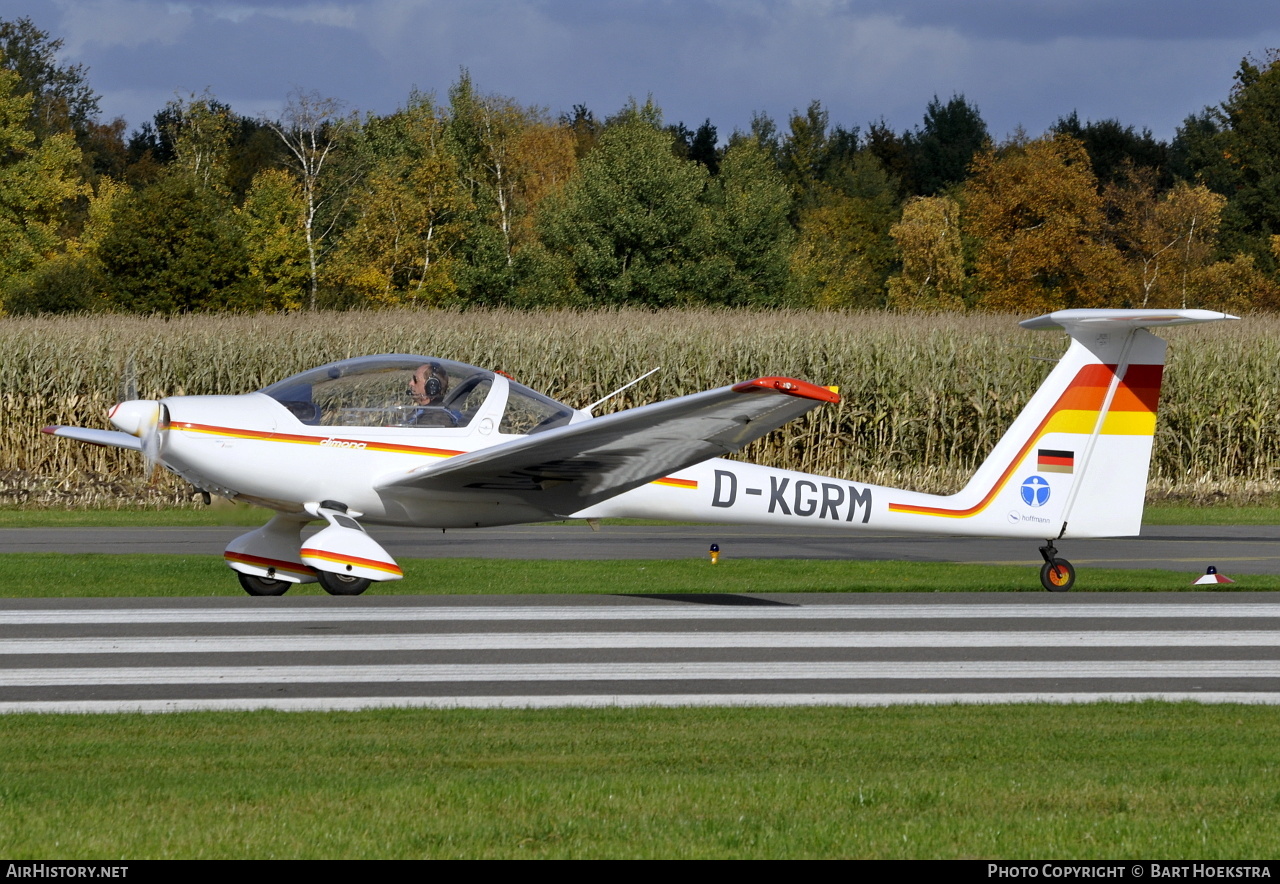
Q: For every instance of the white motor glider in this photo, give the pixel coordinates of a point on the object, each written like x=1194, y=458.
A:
x=417, y=440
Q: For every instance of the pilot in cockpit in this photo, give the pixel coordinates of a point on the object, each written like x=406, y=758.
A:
x=427, y=389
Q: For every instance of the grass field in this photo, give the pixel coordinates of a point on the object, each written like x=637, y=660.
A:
x=1108, y=781
x=99, y=575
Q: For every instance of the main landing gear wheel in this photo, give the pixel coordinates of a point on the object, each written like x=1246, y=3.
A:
x=1058, y=575
x=342, y=584
x=262, y=586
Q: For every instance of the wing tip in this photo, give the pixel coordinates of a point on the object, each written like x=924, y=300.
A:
x=789, y=386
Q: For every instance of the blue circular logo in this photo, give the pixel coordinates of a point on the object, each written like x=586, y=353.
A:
x=1035, y=491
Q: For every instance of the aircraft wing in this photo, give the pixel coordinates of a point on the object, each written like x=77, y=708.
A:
x=109, y=438
x=568, y=469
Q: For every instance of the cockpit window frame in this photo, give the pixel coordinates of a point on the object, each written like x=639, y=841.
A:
x=386, y=402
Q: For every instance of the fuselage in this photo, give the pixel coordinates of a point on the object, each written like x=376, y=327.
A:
x=252, y=448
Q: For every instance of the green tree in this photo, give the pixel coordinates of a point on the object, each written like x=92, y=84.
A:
x=1113, y=148
x=275, y=243
x=176, y=247
x=61, y=100
x=1235, y=150
x=750, y=236
x=631, y=223
x=803, y=157
x=940, y=151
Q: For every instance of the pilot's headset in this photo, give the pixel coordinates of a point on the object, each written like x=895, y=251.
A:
x=437, y=384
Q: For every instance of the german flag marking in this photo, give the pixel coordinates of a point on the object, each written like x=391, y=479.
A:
x=1050, y=461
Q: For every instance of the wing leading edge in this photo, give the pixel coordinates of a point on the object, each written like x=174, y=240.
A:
x=568, y=469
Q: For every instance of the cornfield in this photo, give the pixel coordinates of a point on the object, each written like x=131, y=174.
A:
x=925, y=396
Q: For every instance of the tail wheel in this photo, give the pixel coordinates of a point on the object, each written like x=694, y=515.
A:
x=342, y=584
x=1058, y=576
x=261, y=585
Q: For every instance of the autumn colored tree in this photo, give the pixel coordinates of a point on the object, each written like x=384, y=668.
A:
x=199, y=129
x=928, y=238
x=1166, y=238
x=509, y=157
x=410, y=214
x=844, y=253
x=39, y=182
x=1035, y=210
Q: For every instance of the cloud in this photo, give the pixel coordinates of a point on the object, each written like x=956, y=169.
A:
x=1027, y=62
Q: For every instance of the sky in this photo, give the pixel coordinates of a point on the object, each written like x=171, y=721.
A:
x=1023, y=63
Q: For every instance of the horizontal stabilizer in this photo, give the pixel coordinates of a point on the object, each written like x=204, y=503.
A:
x=108, y=438
x=1084, y=319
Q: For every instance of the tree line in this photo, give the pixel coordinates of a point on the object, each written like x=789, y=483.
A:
x=475, y=199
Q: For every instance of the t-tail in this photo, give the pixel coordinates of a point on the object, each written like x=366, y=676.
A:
x=1075, y=461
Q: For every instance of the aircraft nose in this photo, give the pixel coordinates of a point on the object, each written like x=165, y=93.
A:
x=134, y=416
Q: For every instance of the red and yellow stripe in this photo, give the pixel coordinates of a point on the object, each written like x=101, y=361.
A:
x=296, y=439
x=1132, y=413
x=263, y=562
x=691, y=484
x=357, y=561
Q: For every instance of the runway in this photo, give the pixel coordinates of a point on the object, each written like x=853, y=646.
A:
x=1249, y=549
x=317, y=653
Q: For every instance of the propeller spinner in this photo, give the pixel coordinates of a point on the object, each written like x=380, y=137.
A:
x=145, y=418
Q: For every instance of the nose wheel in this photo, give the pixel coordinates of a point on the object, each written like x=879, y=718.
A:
x=1056, y=575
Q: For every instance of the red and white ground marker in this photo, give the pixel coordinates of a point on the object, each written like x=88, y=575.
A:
x=1212, y=576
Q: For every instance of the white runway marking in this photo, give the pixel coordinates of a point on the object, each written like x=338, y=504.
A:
x=606, y=671
x=552, y=641
x=664, y=611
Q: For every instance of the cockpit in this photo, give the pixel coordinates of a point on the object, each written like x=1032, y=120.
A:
x=414, y=392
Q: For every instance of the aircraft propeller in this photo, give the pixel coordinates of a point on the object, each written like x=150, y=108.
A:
x=148, y=420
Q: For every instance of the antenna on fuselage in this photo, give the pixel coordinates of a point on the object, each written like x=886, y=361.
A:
x=590, y=408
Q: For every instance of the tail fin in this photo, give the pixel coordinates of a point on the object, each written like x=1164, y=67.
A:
x=1075, y=461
